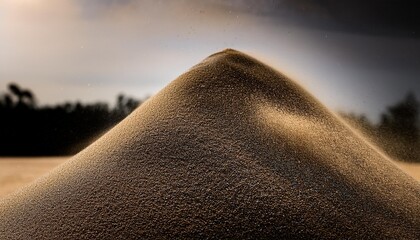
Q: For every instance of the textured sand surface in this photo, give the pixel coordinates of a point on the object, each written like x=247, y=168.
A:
x=230, y=149
x=17, y=172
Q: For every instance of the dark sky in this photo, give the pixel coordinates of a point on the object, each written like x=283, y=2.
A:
x=384, y=17
x=353, y=55
x=379, y=41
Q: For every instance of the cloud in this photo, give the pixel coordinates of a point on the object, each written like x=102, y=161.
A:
x=94, y=49
x=65, y=43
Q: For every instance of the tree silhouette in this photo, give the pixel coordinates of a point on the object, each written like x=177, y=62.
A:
x=28, y=98
x=27, y=130
x=6, y=101
x=25, y=98
x=402, y=119
x=15, y=90
x=125, y=104
x=398, y=132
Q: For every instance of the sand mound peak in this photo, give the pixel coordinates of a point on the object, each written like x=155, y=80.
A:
x=230, y=149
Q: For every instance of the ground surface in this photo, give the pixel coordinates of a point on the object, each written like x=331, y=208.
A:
x=413, y=169
x=18, y=172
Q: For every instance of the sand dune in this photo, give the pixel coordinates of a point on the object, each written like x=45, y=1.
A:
x=230, y=149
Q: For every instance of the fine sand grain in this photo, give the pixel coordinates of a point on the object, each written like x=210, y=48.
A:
x=16, y=173
x=230, y=149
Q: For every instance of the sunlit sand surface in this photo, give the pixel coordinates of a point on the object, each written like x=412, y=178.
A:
x=412, y=169
x=18, y=172
x=232, y=149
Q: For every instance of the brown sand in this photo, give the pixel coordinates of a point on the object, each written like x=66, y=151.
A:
x=231, y=149
x=18, y=172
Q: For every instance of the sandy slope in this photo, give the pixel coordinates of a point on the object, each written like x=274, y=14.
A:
x=16, y=173
x=230, y=149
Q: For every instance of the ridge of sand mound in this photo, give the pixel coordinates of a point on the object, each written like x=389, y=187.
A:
x=230, y=149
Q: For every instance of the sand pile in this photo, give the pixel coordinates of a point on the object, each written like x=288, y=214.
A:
x=230, y=149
